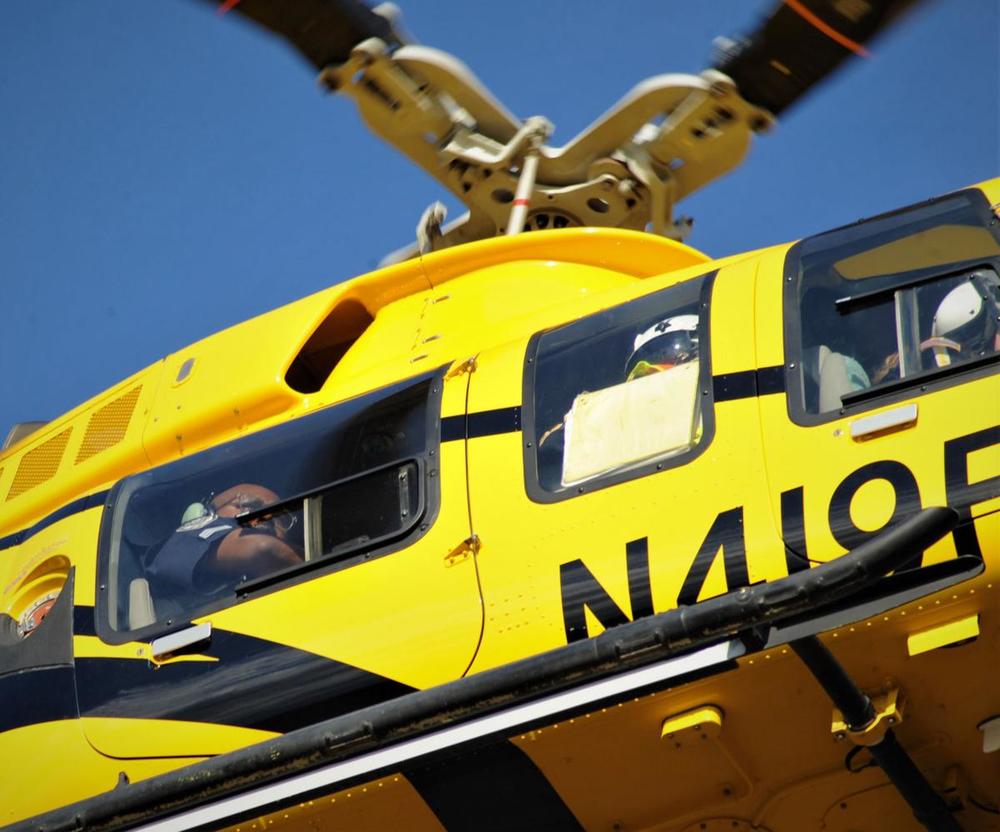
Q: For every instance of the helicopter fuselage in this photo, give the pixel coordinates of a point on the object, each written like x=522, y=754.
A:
x=469, y=474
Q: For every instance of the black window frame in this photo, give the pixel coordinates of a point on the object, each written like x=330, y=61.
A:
x=902, y=389
x=535, y=490
x=429, y=501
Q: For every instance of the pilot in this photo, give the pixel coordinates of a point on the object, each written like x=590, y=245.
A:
x=667, y=344
x=211, y=548
x=966, y=322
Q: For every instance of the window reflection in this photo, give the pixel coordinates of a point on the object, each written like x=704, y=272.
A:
x=620, y=388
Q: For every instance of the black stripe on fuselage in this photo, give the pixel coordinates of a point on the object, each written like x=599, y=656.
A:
x=452, y=428
x=481, y=423
x=30, y=697
x=253, y=684
x=726, y=387
x=747, y=384
x=494, y=788
x=75, y=507
x=83, y=621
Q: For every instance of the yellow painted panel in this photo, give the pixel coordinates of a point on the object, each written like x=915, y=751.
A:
x=732, y=324
x=768, y=311
x=630, y=252
x=503, y=301
x=614, y=771
x=72, y=540
x=942, y=635
x=389, y=803
x=32, y=784
x=704, y=720
x=991, y=188
x=169, y=738
x=102, y=460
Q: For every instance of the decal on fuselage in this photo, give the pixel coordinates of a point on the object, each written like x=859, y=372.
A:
x=580, y=589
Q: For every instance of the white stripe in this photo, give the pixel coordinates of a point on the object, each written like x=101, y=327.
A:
x=551, y=706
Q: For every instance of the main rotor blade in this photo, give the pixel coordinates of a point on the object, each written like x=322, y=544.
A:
x=802, y=42
x=323, y=31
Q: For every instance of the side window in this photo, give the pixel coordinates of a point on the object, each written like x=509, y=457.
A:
x=338, y=486
x=618, y=394
x=892, y=302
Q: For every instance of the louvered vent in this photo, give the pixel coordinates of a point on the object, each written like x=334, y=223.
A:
x=108, y=425
x=39, y=464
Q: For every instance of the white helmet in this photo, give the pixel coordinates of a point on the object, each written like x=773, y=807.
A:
x=669, y=342
x=968, y=316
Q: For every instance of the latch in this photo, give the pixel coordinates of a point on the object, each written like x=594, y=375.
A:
x=467, y=366
x=164, y=646
x=888, y=713
x=469, y=546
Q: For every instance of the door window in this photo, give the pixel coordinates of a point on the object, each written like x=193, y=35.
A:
x=909, y=299
x=618, y=394
x=334, y=488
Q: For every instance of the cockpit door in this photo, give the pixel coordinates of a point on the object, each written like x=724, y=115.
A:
x=368, y=621
x=615, y=465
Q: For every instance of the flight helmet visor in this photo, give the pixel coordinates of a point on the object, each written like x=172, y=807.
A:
x=666, y=344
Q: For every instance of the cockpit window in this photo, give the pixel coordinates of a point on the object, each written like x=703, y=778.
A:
x=891, y=302
x=343, y=484
x=618, y=394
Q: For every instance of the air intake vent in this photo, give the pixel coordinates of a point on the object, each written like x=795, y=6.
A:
x=327, y=345
x=39, y=464
x=108, y=425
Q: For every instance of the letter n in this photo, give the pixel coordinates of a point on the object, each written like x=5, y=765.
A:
x=581, y=589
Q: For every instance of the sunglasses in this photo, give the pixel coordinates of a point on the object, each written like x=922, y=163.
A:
x=282, y=519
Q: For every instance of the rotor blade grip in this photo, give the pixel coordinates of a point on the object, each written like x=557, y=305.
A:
x=447, y=74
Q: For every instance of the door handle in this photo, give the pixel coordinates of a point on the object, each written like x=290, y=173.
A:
x=877, y=424
x=165, y=645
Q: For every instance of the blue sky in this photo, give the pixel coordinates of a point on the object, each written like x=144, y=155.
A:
x=165, y=172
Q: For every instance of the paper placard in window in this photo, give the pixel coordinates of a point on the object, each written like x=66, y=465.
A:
x=631, y=422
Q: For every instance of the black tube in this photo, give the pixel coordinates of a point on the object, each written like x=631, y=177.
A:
x=928, y=807
x=853, y=703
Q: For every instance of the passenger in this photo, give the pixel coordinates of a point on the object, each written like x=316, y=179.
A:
x=667, y=344
x=211, y=548
x=966, y=318
x=966, y=325
x=829, y=369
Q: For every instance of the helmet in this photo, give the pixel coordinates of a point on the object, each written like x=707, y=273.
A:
x=968, y=315
x=665, y=344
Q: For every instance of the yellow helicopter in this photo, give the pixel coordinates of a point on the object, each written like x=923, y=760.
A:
x=536, y=530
